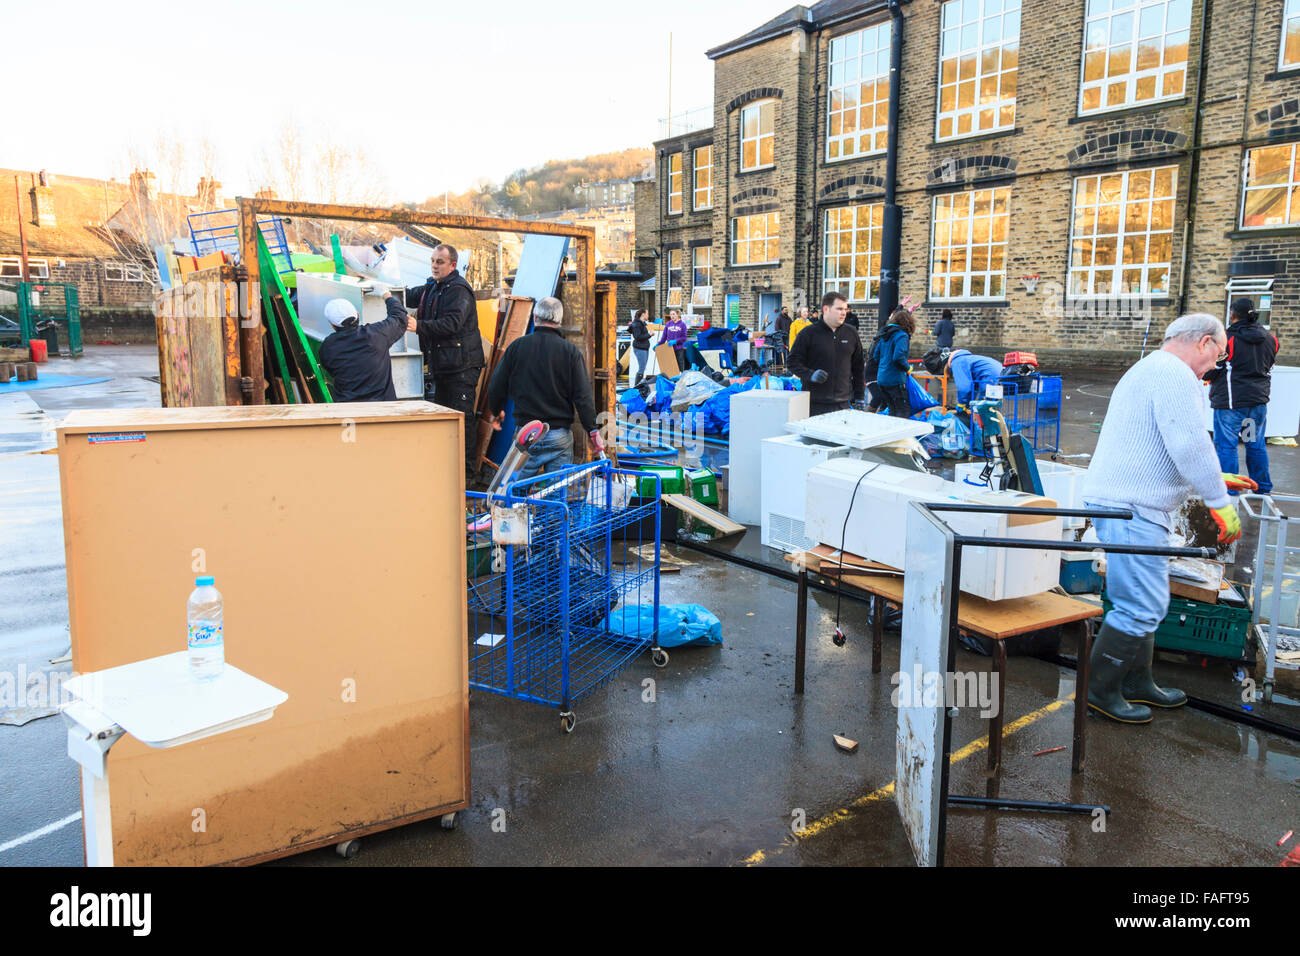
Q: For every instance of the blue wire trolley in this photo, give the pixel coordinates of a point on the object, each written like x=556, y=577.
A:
x=548, y=560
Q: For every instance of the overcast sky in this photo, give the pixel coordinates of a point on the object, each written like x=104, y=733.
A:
x=438, y=94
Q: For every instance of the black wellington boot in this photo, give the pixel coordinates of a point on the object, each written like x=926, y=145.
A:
x=1113, y=653
x=1140, y=688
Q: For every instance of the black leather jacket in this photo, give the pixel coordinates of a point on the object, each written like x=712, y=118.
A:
x=446, y=321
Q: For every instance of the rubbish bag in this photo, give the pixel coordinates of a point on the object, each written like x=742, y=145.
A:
x=950, y=438
x=679, y=624
x=693, y=388
x=632, y=400
x=919, y=397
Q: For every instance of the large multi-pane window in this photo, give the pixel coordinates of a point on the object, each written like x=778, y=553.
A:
x=756, y=239
x=851, y=256
x=702, y=276
x=1135, y=51
x=1122, y=234
x=978, y=65
x=674, y=184
x=11, y=267
x=857, y=110
x=968, y=246
x=1272, y=180
x=1290, y=36
x=758, y=135
x=703, y=194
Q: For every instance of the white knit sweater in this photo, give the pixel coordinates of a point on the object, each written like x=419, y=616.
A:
x=1154, y=450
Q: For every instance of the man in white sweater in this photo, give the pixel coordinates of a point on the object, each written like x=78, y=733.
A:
x=1153, y=453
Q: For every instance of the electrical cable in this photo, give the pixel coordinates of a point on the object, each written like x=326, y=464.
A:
x=839, y=640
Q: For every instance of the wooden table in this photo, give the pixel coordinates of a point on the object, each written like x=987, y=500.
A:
x=996, y=620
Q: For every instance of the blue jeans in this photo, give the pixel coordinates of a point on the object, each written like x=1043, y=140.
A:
x=1137, y=584
x=552, y=453
x=1228, y=424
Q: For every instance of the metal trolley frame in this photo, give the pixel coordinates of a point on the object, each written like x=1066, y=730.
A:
x=550, y=559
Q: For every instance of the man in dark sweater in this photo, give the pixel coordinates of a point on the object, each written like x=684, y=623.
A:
x=356, y=356
x=546, y=379
x=1239, y=391
x=827, y=357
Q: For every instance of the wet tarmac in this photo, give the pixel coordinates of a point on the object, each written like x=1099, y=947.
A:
x=722, y=759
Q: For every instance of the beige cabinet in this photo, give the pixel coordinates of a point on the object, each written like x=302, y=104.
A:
x=336, y=537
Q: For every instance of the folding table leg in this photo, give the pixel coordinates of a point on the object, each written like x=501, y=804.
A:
x=1078, y=751
x=800, y=630
x=995, y=722
x=877, y=630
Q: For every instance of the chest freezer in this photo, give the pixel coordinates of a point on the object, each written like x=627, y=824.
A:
x=874, y=498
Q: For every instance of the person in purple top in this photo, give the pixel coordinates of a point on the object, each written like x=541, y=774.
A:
x=674, y=334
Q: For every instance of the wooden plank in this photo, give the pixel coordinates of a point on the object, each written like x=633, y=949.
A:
x=519, y=310
x=993, y=619
x=667, y=360
x=701, y=512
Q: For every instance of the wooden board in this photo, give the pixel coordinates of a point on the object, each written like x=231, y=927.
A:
x=824, y=559
x=198, y=341
x=701, y=512
x=993, y=619
x=519, y=309
x=667, y=360
x=375, y=730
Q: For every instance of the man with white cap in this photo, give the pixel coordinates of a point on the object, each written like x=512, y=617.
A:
x=356, y=356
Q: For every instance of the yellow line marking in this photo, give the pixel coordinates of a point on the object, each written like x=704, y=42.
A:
x=835, y=817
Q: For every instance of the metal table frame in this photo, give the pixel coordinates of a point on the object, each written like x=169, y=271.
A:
x=1270, y=513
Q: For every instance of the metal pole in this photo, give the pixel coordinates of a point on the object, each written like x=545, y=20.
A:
x=892, y=233
x=23, y=274
x=996, y=803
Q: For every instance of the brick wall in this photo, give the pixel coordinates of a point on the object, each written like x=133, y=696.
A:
x=95, y=290
x=1246, y=102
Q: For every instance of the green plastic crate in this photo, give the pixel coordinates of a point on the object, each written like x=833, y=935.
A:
x=1216, y=630
x=704, y=486
x=672, y=481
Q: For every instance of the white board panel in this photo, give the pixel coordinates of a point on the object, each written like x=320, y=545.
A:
x=859, y=429
x=919, y=756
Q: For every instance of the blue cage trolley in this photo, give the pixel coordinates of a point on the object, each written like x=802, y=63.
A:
x=548, y=559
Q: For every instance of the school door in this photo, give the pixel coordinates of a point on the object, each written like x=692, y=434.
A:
x=769, y=307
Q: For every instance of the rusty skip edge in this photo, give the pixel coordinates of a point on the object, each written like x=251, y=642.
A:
x=253, y=381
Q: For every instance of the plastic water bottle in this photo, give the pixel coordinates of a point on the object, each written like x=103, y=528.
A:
x=206, y=640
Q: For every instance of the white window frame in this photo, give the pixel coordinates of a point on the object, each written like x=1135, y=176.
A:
x=1290, y=12
x=1292, y=187
x=771, y=221
x=36, y=268
x=675, y=177
x=970, y=197
x=955, y=26
x=1096, y=19
x=757, y=138
x=851, y=64
x=675, y=254
x=1117, y=269
x=696, y=189
x=868, y=218
x=696, y=268
x=130, y=272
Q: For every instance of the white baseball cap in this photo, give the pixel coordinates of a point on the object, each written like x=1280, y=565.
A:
x=338, y=311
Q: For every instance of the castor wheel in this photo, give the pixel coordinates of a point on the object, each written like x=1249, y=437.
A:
x=448, y=821
x=567, y=721
x=348, y=848
x=660, y=657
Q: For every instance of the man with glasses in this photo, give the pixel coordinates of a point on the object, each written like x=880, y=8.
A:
x=1152, y=454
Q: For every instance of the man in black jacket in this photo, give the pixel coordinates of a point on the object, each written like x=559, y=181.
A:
x=356, y=356
x=1239, y=392
x=546, y=379
x=446, y=319
x=827, y=357
x=640, y=344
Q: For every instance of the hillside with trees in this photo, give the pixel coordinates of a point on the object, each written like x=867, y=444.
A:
x=545, y=188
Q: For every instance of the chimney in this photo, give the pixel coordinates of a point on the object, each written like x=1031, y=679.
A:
x=206, y=192
x=144, y=185
x=42, y=201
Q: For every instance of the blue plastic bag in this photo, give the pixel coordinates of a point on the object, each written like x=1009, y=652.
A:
x=632, y=401
x=919, y=397
x=679, y=624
